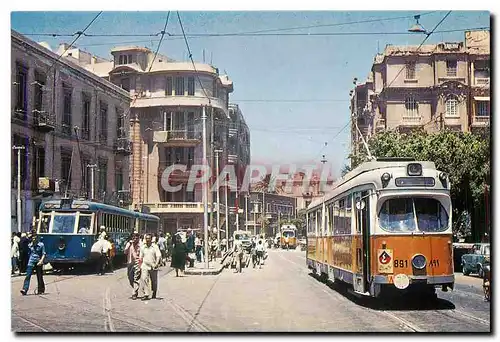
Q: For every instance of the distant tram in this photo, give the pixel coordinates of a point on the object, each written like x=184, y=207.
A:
x=288, y=236
x=69, y=228
x=385, y=228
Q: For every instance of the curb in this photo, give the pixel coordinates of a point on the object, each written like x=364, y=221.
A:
x=204, y=271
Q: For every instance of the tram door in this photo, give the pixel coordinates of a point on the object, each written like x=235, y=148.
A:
x=362, y=270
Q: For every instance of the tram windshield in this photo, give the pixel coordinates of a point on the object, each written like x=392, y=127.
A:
x=412, y=214
x=44, y=224
x=84, y=222
x=63, y=224
x=288, y=233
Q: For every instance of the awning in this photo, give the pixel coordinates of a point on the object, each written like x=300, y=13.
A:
x=481, y=98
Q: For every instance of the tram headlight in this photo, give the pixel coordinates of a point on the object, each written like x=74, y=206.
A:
x=419, y=261
x=414, y=169
x=386, y=177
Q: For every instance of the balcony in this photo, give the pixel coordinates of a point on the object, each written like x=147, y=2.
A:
x=380, y=125
x=411, y=120
x=123, y=146
x=175, y=207
x=43, y=121
x=176, y=138
x=232, y=159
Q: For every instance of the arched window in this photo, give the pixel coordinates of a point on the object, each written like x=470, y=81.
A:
x=452, y=107
x=411, y=106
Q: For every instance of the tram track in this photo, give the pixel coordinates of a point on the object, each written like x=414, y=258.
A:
x=30, y=322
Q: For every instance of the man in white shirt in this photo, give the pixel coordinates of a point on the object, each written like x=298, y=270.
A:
x=98, y=252
x=149, y=258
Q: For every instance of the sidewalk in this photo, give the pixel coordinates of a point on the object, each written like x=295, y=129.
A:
x=215, y=267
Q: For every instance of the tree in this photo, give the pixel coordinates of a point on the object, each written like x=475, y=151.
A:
x=465, y=157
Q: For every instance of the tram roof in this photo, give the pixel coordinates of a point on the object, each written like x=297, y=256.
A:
x=95, y=206
x=380, y=163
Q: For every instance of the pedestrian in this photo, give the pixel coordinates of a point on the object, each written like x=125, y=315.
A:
x=24, y=252
x=35, y=263
x=98, y=253
x=102, y=233
x=111, y=254
x=14, y=253
x=179, y=255
x=190, y=244
x=223, y=245
x=213, y=248
x=198, y=245
x=149, y=258
x=162, y=245
x=170, y=246
x=132, y=251
x=238, y=255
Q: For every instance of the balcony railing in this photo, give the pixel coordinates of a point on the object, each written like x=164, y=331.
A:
x=412, y=119
x=123, y=145
x=482, y=81
x=175, y=207
x=44, y=121
x=174, y=135
x=481, y=120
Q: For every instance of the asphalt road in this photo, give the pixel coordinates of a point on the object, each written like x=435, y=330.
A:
x=282, y=296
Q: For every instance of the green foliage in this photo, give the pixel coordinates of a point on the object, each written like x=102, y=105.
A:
x=465, y=157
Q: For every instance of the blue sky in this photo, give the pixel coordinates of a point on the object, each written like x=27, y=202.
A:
x=298, y=68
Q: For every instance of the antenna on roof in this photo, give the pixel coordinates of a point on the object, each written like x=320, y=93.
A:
x=203, y=55
x=211, y=58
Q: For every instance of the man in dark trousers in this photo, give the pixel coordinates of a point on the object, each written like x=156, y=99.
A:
x=190, y=246
x=35, y=263
x=24, y=253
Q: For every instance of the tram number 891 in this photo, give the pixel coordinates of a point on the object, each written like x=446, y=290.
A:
x=400, y=263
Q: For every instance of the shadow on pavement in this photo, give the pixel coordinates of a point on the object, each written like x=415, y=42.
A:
x=387, y=303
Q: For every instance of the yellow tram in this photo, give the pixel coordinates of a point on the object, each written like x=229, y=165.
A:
x=385, y=227
x=288, y=236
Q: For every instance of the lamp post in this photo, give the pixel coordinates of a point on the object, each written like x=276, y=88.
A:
x=218, y=195
x=205, y=184
x=246, y=212
x=19, y=207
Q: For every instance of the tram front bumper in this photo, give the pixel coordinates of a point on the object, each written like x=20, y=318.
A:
x=429, y=280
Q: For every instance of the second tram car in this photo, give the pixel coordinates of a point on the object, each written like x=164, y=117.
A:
x=69, y=228
x=288, y=236
x=385, y=228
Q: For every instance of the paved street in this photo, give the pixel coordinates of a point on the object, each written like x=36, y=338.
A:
x=282, y=296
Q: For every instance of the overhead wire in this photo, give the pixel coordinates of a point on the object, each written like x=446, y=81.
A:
x=79, y=34
x=161, y=39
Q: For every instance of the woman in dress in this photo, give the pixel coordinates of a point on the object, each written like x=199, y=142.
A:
x=179, y=255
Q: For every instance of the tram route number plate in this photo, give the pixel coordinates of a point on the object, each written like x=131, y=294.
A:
x=385, y=261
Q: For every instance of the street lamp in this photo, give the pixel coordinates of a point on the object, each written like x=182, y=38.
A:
x=417, y=28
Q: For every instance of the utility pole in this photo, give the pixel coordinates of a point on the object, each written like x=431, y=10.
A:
x=255, y=218
x=227, y=213
x=92, y=169
x=218, y=195
x=246, y=212
x=212, y=143
x=19, y=207
x=237, y=208
x=205, y=184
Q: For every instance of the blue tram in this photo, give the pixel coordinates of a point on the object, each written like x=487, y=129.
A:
x=70, y=227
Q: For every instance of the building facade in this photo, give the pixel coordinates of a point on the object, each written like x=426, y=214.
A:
x=434, y=87
x=51, y=96
x=169, y=98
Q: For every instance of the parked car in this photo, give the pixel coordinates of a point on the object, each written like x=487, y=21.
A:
x=475, y=261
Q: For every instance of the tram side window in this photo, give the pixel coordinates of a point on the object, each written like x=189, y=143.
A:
x=348, y=215
x=84, y=223
x=45, y=224
x=330, y=219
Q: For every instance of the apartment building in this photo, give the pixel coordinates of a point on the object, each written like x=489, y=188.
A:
x=50, y=97
x=166, y=128
x=434, y=87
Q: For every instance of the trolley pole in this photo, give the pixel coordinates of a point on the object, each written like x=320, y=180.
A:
x=205, y=184
x=246, y=212
x=218, y=194
x=92, y=169
x=19, y=206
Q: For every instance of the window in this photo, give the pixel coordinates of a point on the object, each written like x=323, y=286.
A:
x=409, y=214
x=86, y=117
x=482, y=71
x=191, y=86
x=38, y=165
x=120, y=129
x=119, y=180
x=38, y=93
x=125, y=84
x=66, y=120
x=411, y=106
x=65, y=168
x=179, y=86
x=63, y=224
x=21, y=86
x=452, y=107
x=451, y=68
x=124, y=59
x=103, y=133
x=103, y=175
x=169, y=86
x=84, y=222
x=410, y=70
x=215, y=90
x=483, y=108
